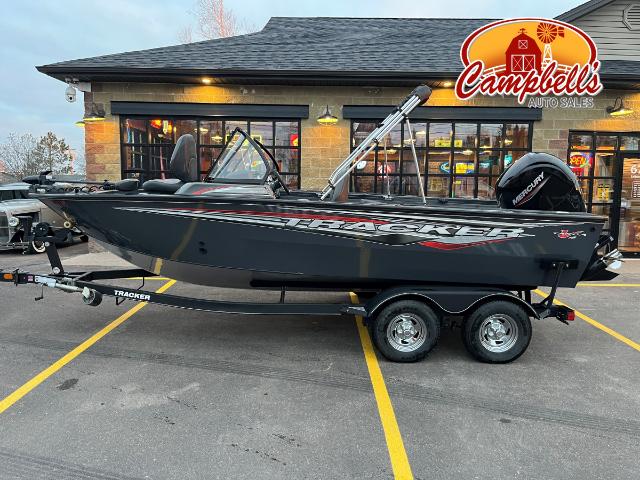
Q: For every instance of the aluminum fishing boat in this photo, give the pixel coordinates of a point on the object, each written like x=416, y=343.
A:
x=242, y=227
x=419, y=263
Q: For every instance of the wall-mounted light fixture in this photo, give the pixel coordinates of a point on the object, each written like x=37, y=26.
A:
x=326, y=118
x=618, y=109
x=96, y=114
x=447, y=84
x=206, y=80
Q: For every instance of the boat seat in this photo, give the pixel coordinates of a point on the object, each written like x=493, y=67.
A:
x=127, y=185
x=183, y=167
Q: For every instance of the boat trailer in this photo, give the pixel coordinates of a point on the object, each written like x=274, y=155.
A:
x=404, y=321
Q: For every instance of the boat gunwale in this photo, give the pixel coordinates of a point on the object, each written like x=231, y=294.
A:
x=368, y=207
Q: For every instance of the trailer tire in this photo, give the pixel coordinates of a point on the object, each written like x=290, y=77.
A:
x=405, y=331
x=93, y=299
x=497, y=332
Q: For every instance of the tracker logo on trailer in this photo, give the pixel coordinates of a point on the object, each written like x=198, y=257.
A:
x=524, y=57
x=134, y=296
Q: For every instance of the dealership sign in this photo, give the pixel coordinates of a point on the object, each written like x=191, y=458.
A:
x=526, y=57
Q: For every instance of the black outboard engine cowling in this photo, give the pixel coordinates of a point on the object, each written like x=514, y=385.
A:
x=539, y=181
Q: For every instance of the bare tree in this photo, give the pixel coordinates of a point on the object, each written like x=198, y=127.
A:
x=214, y=20
x=79, y=164
x=185, y=34
x=24, y=155
x=18, y=154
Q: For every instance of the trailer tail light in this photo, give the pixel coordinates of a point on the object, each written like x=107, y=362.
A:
x=571, y=315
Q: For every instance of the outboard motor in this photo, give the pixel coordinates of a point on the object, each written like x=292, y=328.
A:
x=539, y=181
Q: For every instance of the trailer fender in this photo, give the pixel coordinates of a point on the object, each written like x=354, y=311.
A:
x=447, y=300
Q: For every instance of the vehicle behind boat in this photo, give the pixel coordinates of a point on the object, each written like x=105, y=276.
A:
x=15, y=203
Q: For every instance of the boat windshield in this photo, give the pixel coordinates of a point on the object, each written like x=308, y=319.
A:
x=241, y=161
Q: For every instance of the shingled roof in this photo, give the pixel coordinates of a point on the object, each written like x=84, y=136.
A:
x=301, y=47
x=326, y=50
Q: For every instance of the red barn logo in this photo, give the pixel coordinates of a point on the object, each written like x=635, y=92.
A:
x=528, y=56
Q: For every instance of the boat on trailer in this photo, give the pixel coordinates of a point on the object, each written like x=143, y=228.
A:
x=417, y=260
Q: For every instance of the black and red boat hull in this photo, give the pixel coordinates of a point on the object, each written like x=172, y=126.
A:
x=299, y=243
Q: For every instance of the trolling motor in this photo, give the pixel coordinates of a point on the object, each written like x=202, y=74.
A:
x=45, y=182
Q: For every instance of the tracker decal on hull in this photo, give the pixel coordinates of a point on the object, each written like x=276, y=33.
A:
x=452, y=235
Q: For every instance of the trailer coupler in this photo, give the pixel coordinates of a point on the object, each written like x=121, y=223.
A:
x=89, y=296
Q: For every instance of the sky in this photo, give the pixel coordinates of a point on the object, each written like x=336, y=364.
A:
x=39, y=32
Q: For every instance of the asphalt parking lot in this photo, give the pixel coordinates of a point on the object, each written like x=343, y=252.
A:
x=188, y=395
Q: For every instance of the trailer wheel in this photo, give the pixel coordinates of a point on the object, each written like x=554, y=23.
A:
x=92, y=298
x=406, y=331
x=497, y=332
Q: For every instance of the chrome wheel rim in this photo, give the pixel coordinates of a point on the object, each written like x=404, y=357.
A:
x=406, y=332
x=498, y=333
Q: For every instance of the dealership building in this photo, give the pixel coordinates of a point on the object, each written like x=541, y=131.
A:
x=311, y=88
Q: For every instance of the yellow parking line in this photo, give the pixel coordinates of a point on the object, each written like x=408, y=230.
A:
x=395, y=445
x=160, y=279
x=54, y=367
x=598, y=325
x=609, y=284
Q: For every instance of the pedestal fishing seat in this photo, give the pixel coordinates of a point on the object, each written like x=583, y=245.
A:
x=183, y=168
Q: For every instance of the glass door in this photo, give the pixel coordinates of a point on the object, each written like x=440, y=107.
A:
x=629, y=226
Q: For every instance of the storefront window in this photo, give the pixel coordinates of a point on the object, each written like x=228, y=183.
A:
x=630, y=142
x=517, y=135
x=599, y=160
x=606, y=142
x=490, y=136
x=579, y=141
x=147, y=143
x=440, y=135
x=459, y=159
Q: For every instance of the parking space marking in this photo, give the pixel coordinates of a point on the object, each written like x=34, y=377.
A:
x=395, y=445
x=595, y=323
x=157, y=279
x=12, y=398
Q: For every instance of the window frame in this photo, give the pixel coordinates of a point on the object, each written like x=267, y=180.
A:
x=423, y=154
x=146, y=147
x=616, y=175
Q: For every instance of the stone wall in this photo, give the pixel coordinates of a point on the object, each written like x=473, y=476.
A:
x=324, y=146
